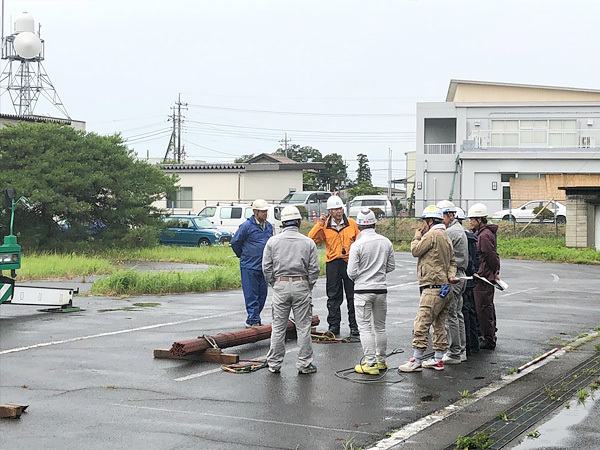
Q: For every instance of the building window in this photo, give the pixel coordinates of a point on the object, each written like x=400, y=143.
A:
x=562, y=133
x=505, y=133
x=180, y=199
x=535, y=133
x=505, y=177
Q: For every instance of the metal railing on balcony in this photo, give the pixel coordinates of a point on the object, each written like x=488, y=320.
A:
x=556, y=139
x=440, y=149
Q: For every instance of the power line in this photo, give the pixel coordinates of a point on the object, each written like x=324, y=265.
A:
x=135, y=136
x=260, y=111
x=280, y=130
x=209, y=149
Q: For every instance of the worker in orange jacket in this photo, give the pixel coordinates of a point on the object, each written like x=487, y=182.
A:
x=338, y=232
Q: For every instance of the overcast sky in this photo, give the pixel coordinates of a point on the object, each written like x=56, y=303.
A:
x=342, y=76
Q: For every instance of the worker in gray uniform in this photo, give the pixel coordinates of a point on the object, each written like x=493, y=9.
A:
x=455, y=322
x=371, y=258
x=291, y=267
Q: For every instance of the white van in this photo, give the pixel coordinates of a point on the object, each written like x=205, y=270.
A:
x=313, y=201
x=229, y=216
x=371, y=201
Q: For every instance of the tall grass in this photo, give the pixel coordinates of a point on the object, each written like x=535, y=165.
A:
x=214, y=255
x=49, y=265
x=129, y=282
x=545, y=249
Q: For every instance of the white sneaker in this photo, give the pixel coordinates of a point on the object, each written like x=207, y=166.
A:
x=433, y=364
x=463, y=356
x=410, y=366
x=450, y=360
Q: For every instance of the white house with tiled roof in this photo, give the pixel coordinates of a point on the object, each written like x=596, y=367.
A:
x=486, y=134
x=267, y=176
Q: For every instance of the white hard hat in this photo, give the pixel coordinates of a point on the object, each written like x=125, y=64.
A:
x=334, y=202
x=290, y=213
x=432, y=212
x=446, y=206
x=478, y=210
x=260, y=204
x=460, y=213
x=365, y=217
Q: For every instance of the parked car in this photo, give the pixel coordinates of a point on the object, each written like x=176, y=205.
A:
x=93, y=229
x=229, y=216
x=371, y=201
x=525, y=212
x=311, y=200
x=192, y=231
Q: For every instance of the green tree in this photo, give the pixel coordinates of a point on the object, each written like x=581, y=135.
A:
x=334, y=176
x=80, y=178
x=411, y=203
x=363, y=174
x=364, y=188
x=309, y=180
x=301, y=154
x=243, y=158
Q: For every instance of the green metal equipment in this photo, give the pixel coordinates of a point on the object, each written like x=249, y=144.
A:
x=10, y=259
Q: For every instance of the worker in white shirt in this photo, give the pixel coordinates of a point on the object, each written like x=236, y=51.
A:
x=371, y=259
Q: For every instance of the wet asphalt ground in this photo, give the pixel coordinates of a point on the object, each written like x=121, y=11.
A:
x=91, y=381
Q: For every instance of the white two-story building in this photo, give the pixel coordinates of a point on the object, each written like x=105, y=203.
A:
x=485, y=134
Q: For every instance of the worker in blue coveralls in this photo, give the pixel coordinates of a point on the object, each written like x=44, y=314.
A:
x=248, y=243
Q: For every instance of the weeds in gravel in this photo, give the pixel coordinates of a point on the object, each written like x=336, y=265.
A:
x=505, y=417
x=479, y=441
x=534, y=434
x=582, y=395
x=464, y=394
x=349, y=445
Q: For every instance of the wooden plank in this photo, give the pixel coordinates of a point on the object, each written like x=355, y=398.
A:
x=12, y=411
x=207, y=356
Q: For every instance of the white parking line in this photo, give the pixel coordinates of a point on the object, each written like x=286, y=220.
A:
x=112, y=333
x=403, y=321
x=249, y=419
x=401, y=285
x=208, y=372
x=518, y=292
x=200, y=374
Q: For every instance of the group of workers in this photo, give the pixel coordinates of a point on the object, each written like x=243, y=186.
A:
x=453, y=264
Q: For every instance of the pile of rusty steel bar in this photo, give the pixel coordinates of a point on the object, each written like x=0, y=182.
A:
x=224, y=340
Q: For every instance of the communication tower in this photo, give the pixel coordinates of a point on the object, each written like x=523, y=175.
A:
x=24, y=76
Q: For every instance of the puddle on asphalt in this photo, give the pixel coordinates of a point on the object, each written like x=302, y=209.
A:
x=429, y=398
x=556, y=432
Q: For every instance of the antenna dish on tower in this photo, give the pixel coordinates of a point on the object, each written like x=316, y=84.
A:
x=27, y=44
x=24, y=23
x=25, y=50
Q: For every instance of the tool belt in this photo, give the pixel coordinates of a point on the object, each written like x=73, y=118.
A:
x=290, y=278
